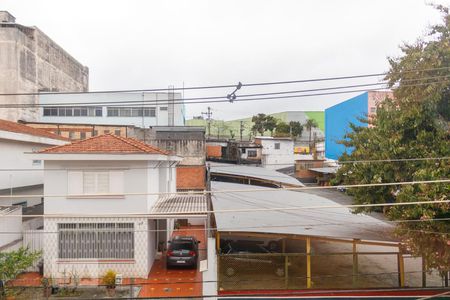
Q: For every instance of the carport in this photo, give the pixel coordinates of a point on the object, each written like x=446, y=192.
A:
x=319, y=248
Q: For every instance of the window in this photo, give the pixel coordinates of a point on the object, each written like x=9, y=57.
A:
x=277, y=146
x=94, y=132
x=251, y=153
x=95, y=182
x=79, y=111
x=163, y=108
x=105, y=131
x=36, y=162
x=71, y=135
x=82, y=135
x=117, y=132
x=96, y=240
x=131, y=112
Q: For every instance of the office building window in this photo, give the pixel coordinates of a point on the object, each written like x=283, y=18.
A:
x=163, y=108
x=82, y=135
x=96, y=240
x=79, y=111
x=117, y=132
x=131, y=112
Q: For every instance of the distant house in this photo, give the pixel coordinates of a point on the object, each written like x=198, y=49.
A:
x=22, y=175
x=276, y=153
x=105, y=175
x=339, y=117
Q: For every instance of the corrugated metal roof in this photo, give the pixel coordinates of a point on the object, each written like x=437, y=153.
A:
x=254, y=172
x=330, y=222
x=4, y=210
x=326, y=170
x=184, y=203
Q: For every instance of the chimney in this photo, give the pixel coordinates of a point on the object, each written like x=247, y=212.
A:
x=6, y=17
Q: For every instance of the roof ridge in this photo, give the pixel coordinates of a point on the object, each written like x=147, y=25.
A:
x=71, y=143
x=143, y=146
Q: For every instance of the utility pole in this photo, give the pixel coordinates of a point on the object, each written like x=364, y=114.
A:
x=208, y=117
x=241, y=129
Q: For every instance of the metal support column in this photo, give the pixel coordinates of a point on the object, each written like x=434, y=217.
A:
x=401, y=269
x=355, y=263
x=308, y=263
x=424, y=272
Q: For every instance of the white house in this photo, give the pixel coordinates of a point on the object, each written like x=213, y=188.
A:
x=134, y=109
x=276, y=153
x=19, y=174
x=86, y=183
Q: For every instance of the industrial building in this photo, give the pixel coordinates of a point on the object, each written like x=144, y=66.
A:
x=31, y=62
x=339, y=117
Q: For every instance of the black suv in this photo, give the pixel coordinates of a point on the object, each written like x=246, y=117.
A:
x=182, y=251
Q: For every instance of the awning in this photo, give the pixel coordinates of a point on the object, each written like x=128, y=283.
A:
x=180, y=205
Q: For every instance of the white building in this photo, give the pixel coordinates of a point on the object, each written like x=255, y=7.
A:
x=136, y=109
x=104, y=175
x=10, y=221
x=19, y=174
x=276, y=153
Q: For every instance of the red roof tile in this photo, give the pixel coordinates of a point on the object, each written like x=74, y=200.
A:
x=24, y=129
x=107, y=143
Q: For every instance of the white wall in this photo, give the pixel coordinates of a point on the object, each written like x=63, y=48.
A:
x=13, y=157
x=158, y=99
x=92, y=268
x=277, y=158
x=138, y=178
x=24, y=194
x=11, y=224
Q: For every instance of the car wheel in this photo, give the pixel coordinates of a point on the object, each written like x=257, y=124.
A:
x=279, y=272
x=230, y=271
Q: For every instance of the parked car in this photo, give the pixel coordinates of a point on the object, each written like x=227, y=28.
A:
x=239, y=261
x=182, y=251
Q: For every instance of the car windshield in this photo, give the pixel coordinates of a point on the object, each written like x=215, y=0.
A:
x=182, y=245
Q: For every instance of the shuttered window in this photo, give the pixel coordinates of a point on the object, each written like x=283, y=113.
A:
x=96, y=240
x=95, y=182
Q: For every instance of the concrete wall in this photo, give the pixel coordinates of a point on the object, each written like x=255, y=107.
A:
x=30, y=62
x=10, y=224
x=139, y=177
x=276, y=158
x=13, y=157
x=156, y=100
x=337, y=120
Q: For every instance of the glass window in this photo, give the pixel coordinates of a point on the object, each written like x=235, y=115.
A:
x=47, y=111
x=83, y=111
x=76, y=112
x=98, y=112
x=113, y=112
x=251, y=153
x=69, y=111
x=82, y=135
x=94, y=132
x=163, y=108
x=71, y=135
x=117, y=132
x=150, y=112
x=54, y=111
x=61, y=111
x=95, y=182
x=277, y=146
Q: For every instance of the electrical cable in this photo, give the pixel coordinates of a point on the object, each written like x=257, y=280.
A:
x=229, y=85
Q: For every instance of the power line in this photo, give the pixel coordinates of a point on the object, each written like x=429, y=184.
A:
x=195, y=100
x=260, y=189
x=228, y=166
x=226, y=86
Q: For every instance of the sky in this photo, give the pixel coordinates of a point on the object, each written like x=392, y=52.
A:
x=136, y=44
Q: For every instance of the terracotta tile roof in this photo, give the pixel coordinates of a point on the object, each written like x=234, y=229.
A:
x=24, y=129
x=107, y=143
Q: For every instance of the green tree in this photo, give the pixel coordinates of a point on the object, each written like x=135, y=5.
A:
x=310, y=124
x=270, y=123
x=13, y=263
x=282, y=129
x=413, y=125
x=259, y=125
x=296, y=128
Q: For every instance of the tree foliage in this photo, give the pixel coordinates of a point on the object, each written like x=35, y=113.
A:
x=263, y=122
x=413, y=125
x=13, y=263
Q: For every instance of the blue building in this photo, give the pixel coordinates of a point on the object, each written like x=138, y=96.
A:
x=339, y=117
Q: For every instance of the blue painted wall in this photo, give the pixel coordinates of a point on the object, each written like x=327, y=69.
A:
x=337, y=119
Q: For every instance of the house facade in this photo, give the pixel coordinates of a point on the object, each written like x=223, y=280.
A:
x=276, y=153
x=22, y=175
x=94, y=188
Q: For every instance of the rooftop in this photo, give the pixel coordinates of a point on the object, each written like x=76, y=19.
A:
x=334, y=222
x=182, y=203
x=255, y=172
x=24, y=129
x=106, y=144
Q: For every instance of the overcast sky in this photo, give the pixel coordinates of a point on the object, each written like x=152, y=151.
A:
x=151, y=44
